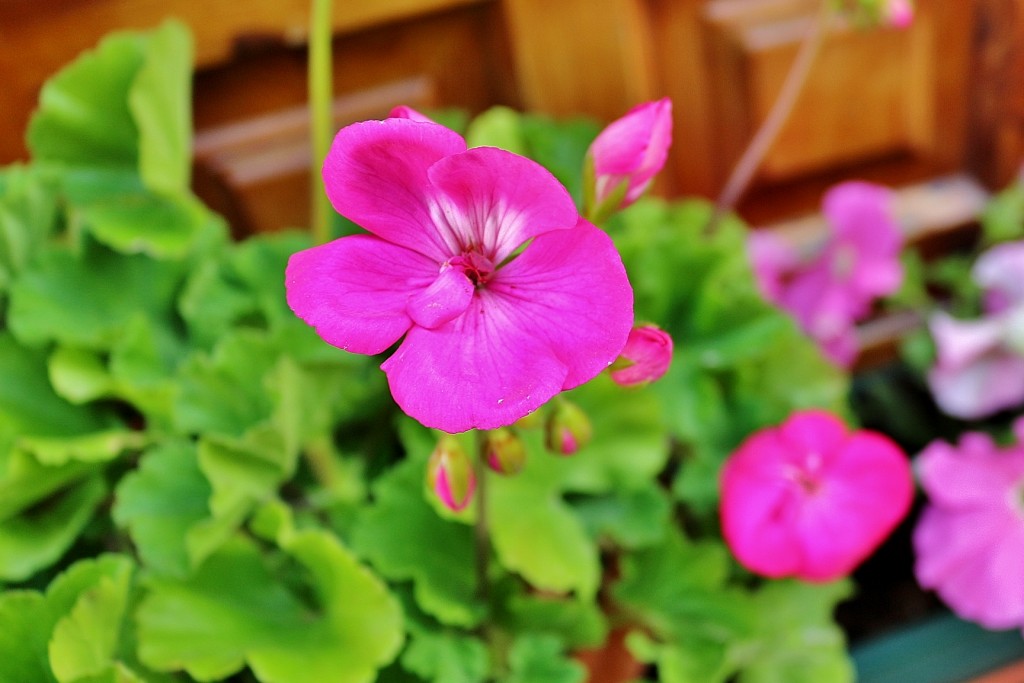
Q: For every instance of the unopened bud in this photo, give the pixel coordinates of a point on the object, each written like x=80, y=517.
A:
x=406, y=112
x=645, y=358
x=505, y=451
x=568, y=429
x=450, y=473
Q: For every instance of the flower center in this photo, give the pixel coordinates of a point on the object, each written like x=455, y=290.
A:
x=477, y=267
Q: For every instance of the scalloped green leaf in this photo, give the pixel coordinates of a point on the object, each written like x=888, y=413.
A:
x=446, y=657
x=797, y=639
x=28, y=212
x=159, y=502
x=402, y=536
x=28, y=618
x=83, y=116
x=90, y=300
x=631, y=519
x=38, y=537
x=540, y=659
x=234, y=612
x=160, y=100
x=85, y=643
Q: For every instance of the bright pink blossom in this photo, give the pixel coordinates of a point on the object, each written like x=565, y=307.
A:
x=630, y=152
x=969, y=541
x=810, y=499
x=859, y=262
x=645, y=358
x=403, y=111
x=898, y=13
x=491, y=331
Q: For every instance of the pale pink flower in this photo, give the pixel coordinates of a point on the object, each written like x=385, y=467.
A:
x=832, y=290
x=645, y=358
x=811, y=500
x=630, y=151
x=1000, y=274
x=969, y=541
x=491, y=331
x=976, y=372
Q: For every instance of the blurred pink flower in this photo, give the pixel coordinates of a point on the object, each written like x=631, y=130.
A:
x=490, y=332
x=969, y=541
x=898, y=13
x=979, y=367
x=976, y=372
x=645, y=358
x=859, y=262
x=811, y=500
x=628, y=153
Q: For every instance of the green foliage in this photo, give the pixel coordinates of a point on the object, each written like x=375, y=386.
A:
x=159, y=398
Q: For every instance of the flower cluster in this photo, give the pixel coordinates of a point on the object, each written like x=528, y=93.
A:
x=979, y=368
x=835, y=288
x=969, y=541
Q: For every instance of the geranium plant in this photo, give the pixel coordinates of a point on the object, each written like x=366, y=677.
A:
x=206, y=476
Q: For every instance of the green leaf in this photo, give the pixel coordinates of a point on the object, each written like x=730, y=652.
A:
x=576, y=623
x=83, y=116
x=28, y=618
x=560, y=146
x=85, y=643
x=632, y=519
x=233, y=612
x=28, y=212
x=561, y=559
x=160, y=100
x=90, y=301
x=159, y=502
x=1003, y=218
x=38, y=537
x=446, y=657
x=497, y=127
x=678, y=591
x=402, y=536
x=539, y=659
x=797, y=640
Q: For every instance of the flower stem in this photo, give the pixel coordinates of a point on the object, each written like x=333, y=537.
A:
x=320, y=84
x=762, y=141
x=481, y=533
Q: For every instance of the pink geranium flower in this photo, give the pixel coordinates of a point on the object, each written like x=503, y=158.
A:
x=478, y=258
x=898, y=13
x=969, y=541
x=859, y=262
x=628, y=153
x=811, y=500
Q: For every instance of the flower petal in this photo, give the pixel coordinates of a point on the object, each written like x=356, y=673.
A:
x=350, y=290
x=445, y=299
x=633, y=148
x=496, y=200
x=375, y=174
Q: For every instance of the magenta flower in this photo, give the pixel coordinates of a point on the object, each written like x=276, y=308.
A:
x=969, y=541
x=898, y=13
x=977, y=372
x=478, y=258
x=403, y=111
x=645, y=358
x=450, y=474
x=830, y=292
x=627, y=155
x=811, y=500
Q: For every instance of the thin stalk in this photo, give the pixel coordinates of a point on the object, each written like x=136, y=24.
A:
x=481, y=532
x=321, y=85
x=762, y=141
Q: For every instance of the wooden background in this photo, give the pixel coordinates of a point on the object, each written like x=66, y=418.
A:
x=945, y=96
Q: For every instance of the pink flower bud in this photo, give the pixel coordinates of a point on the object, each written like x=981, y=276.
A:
x=645, y=358
x=568, y=429
x=405, y=112
x=624, y=158
x=450, y=473
x=504, y=451
x=810, y=499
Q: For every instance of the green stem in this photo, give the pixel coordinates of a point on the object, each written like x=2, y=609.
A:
x=481, y=532
x=320, y=85
x=762, y=141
